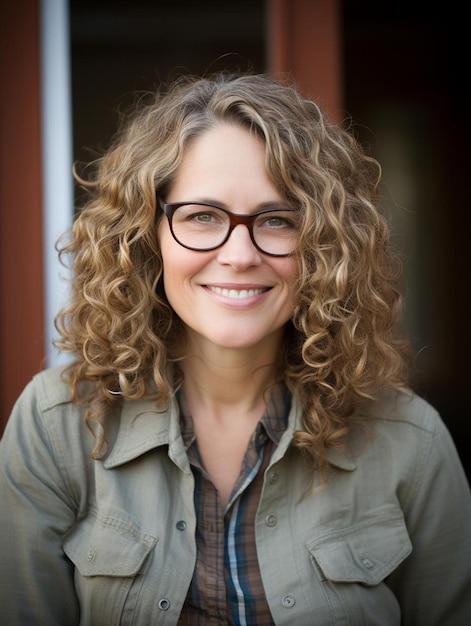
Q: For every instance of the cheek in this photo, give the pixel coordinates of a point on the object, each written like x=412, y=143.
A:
x=174, y=284
x=170, y=250
x=291, y=278
x=179, y=265
x=289, y=272
x=170, y=262
x=164, y=235
x=174, y=272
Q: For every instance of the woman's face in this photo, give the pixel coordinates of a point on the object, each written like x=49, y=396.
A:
x=233, y=297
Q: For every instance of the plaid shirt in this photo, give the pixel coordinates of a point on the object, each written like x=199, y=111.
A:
x=227, y=586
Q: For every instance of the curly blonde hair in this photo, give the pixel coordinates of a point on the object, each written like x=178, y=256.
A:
x=341, y=345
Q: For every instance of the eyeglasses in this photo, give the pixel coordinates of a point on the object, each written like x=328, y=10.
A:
x=202, y=226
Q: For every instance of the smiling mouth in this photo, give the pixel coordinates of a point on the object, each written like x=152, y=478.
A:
x=237, y=294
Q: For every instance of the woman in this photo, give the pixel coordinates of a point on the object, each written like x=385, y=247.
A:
x=235, y=441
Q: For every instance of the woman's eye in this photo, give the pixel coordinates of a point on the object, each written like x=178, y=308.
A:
x=203, y=218
x=278, y=221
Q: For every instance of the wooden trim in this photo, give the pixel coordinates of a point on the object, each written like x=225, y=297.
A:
x=305, y=45
x=21, y=264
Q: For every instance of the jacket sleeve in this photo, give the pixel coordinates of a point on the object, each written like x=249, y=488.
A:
x=37, y=508
x=434, y=583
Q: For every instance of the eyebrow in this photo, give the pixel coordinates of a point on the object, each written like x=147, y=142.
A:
x=270, y=204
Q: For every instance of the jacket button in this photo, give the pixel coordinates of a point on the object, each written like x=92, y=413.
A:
x=288, y=601
x=273, y=478
x=367, y=563
x=270, y=520
x=181, y=525
x=164, y=604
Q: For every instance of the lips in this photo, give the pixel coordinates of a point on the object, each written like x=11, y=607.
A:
x=237, y=294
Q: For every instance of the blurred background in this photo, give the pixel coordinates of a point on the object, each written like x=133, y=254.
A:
x=390, y=71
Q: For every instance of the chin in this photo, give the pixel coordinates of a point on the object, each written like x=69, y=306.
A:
x=231, y=344
x=238, y=341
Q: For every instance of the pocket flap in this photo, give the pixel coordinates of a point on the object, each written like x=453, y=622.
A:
x=365, y=553
x=104, y=546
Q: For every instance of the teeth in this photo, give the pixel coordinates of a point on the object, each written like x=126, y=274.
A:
x=236, y=293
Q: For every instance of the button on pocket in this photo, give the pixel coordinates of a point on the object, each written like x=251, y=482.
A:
x=90, y=554
x=101, y=546
x=366, y=552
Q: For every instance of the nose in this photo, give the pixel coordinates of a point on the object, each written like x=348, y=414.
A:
x=239, y=250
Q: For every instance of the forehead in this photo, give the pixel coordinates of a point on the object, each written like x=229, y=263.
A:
x=226, y=163
x=224, y=145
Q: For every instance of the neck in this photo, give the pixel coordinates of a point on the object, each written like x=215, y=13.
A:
x=221, y=377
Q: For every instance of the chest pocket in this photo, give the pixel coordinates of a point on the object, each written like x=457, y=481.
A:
x=365, y=553
x=104, y=546
x=109, y=556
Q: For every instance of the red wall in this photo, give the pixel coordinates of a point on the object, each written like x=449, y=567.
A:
x=21, y=276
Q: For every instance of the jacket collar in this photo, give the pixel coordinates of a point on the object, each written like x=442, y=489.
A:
x=143, y=426
x=341, y=459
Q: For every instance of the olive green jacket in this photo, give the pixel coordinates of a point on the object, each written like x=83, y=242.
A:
x=386, y=542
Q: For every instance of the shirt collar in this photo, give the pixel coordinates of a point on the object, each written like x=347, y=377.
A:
x=275, y=418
